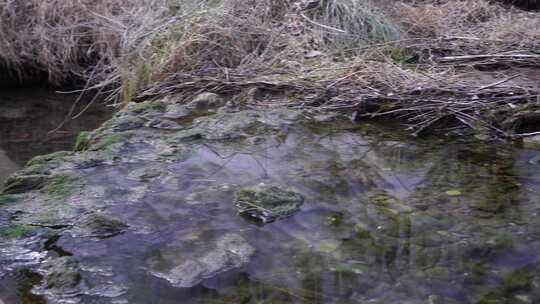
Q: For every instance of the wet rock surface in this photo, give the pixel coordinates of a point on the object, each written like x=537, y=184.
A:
x=146, y=211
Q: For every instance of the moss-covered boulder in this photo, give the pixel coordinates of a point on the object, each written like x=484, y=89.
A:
x=267, y=203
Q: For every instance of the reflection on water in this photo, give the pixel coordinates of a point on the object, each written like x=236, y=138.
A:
x=26, y=117
x=386, y=220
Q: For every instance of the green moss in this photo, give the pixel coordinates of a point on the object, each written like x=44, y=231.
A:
x=23, y=183
x=110, y=139
x=82, y=142
x=18, y=231
x=62, y=186
x=55, y=157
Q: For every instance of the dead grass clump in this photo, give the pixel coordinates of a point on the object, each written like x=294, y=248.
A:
x=453, y=17
x=518, y=28
x=217, y=40
x=60, y=38
x=208, y=38
x=349, y=24
x=271, y=35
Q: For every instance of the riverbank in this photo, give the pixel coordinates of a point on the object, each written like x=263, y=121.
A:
x=455, y=66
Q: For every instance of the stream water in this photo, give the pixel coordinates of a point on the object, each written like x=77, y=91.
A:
x=387, y=219
x=26, y=118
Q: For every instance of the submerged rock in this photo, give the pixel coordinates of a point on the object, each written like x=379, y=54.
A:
x=267, y=203
x=61, y=276
x=145, y=174
x=229, y=252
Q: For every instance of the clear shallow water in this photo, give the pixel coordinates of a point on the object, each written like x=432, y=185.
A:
x=27, y=116
x=386, y=220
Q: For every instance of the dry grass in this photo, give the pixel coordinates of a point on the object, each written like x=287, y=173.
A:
x=478, y=19
x=58, y=38
x=411, y=60
x=455, y=17
x=350, y=24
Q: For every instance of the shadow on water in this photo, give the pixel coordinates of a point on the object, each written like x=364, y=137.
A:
x=27, y=116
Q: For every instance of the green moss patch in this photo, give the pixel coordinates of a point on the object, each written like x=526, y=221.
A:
x=55, y=157
x=62, y=186
x=83, y=141
x=16, y=232
x=109, y=140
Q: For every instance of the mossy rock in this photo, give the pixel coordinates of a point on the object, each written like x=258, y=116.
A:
x=108, y=141
x=23, y=183
x=83, y=141
x=53, y=159
x=62, y=186
x=267, y=203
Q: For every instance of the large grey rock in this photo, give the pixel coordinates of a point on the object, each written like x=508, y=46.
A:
x=267, y=202
x=206, y=101
x=230, y=251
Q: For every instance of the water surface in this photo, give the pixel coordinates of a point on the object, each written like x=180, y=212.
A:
x=387, y=219
x=28, y=115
